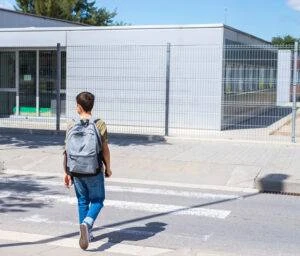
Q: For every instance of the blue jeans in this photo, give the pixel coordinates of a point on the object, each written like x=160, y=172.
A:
x=90, y=195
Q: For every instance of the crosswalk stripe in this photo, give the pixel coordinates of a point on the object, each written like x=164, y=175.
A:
x=120, y=248
x=126, y=189
x=169, y=192
x=126, y=229
x=137, y=206
x=169, y=209
x=37, y=218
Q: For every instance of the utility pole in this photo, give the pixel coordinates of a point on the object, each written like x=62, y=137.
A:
x=225, y=15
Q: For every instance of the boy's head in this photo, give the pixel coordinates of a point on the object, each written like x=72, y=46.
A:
x=85, y=102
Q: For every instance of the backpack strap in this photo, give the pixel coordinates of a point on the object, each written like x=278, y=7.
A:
x=91, y=120
x=101, y=159
x=97, y=131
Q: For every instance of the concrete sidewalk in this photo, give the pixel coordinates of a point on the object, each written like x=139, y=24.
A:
x=215, y=164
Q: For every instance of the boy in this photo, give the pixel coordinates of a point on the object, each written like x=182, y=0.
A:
x=89, y=187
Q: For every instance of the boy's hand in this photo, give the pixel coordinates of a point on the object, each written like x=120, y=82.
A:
x=68, y=181
x=108, y=173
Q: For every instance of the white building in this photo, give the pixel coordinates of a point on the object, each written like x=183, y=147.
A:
x=127, y=69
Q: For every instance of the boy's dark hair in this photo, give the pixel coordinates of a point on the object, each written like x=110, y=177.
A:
x=85, y=100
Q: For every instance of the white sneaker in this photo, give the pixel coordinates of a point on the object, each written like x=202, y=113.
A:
x=84, y=236
x=91, y=237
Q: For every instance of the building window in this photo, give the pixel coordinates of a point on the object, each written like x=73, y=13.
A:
x=7, y=83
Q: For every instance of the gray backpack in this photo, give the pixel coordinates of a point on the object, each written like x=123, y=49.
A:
x=83, y=146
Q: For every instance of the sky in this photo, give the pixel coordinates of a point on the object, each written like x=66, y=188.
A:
x=262, y=18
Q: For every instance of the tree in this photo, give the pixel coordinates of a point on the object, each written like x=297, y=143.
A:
x=286, y=40
x=26, y=6
x=82, y=11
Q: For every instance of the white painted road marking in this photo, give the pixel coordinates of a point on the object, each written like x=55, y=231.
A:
x=137, y=206
x=168, y=192
x=126, y=229
x=168, y=209
x=144, y=182
x=126, y=189
x=120, y=248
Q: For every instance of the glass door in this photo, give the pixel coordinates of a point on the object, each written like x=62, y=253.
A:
x=47, y=82
x=7, y=83
x=47, y=85
x=27, y=82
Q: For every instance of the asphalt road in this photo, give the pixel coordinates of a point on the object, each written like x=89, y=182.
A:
x=164, y=220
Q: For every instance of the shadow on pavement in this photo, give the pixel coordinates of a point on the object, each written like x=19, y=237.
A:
x=128, y=140
x=273, y=182
x=130, y=234
x=34, y=139
x=27, y=140
x=15, y=193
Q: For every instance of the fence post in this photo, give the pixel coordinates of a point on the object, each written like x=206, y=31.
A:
x=58, y=85
x=295, y=75
x=17, y=68
x=167, y=103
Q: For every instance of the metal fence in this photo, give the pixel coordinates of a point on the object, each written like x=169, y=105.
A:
x=209, y=91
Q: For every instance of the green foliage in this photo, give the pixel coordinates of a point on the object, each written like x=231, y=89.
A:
x=26, y=6
x=261, y=85
x=82, y=11
x=286, y=40
x=228, y=88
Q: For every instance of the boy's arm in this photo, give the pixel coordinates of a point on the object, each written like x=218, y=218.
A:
x=106, y=159
x=67, y=178
x=65, y=162
x=105, y=149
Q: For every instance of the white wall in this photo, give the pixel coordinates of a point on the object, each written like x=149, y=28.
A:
x=126, y=68
x=196, y=87
x=159, y=35
x=129, y=81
